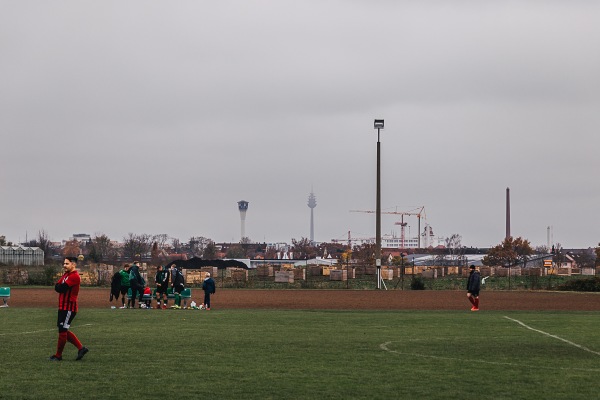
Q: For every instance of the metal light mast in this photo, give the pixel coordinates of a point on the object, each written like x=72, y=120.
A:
x=378, y=124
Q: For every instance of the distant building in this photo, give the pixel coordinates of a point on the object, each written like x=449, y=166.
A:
x=81, y=237
x=21, y=255
x=391, y=241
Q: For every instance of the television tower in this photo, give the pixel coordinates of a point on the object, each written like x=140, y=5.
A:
x=312, y=203
x=243, y=207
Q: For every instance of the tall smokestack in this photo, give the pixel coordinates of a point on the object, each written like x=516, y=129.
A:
x=312, y=203
x=243, y=207
x=507, y=213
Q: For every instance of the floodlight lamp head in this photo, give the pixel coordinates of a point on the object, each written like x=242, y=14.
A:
x=378, y=124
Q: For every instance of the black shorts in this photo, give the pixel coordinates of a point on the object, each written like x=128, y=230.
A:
x=161, y=290
x=474, y=294
x=178, y=289
x=124, y=289
x=64, y=320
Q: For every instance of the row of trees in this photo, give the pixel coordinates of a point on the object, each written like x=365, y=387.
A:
x=161, y=247
x=100, y=248
x=518, y=250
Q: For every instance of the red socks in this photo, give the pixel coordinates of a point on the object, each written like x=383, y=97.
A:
x=475, y=301
x=60, y=346
x=73, y=340
x=63, y=337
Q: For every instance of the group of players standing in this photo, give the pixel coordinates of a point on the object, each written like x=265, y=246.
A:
x=130, y=278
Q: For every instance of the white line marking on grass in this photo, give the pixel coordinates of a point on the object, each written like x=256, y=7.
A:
x=43, y=330
x=554, y=336
x=384, y=346
x=446, y=338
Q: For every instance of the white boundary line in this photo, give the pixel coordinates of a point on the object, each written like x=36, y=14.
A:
x=43, y=330
x=384, y=346
x=554, y=336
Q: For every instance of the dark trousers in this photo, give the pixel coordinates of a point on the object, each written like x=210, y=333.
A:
x=135, y=288
x=207, y=299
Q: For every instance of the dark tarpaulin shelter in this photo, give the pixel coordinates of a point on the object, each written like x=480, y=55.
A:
x=197, y=263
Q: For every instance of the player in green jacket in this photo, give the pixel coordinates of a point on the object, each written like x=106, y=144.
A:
x=124, y=284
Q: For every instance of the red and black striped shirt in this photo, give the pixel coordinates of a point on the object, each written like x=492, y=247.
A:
x=67, y=301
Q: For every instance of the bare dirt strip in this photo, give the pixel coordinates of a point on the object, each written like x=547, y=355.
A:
x=340, y=299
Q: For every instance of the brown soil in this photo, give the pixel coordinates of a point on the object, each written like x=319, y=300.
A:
x=340, y=299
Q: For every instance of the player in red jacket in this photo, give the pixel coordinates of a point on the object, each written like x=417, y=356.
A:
x=68, y=290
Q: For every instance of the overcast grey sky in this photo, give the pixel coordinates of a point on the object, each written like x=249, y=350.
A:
x=158, y=116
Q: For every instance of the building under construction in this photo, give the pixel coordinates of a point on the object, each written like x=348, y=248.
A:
x=392, y=240
x=423, y=240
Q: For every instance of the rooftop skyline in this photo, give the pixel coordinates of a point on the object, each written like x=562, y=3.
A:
x=120, y=117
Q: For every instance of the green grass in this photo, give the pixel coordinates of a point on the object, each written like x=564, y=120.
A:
x=243, y=354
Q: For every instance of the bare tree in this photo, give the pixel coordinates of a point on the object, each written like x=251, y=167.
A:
x=44, y=243
x=136, y=245
x=455, y=247
x=197, y=245
x=303, y=248
x=158, y=254
x=210, y=251
x=161, y=239
x=158, y=244
x=176, y=245
x=102, y=249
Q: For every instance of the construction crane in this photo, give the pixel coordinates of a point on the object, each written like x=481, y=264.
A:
x=419, y=212
x=354, y=239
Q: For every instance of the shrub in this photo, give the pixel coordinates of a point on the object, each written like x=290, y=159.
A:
x=46, y=277
x=417, y=283
x=582, y=285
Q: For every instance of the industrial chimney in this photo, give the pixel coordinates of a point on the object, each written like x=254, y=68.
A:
x=507, y=213
x=312, y=203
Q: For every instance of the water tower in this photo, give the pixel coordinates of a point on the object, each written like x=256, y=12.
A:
x=243, y=207
x=312, y=203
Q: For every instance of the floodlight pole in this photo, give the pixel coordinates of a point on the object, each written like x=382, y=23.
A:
x=378, y=124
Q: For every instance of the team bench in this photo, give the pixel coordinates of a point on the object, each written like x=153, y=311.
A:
x=185, y=295
x=4, y=295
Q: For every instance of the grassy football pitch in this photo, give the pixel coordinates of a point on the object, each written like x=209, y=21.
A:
x=245, y=354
